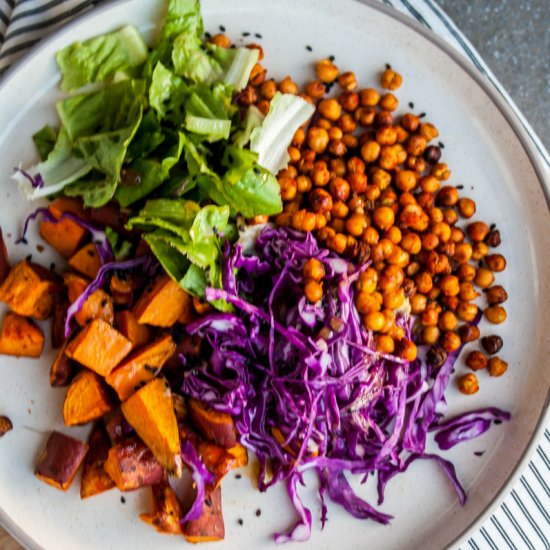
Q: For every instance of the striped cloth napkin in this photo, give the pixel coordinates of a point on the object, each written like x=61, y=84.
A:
x=523, y=519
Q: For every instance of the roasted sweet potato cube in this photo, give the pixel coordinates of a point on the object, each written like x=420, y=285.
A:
x=60, y=460
x=95, y=479
x=167, y=510
x=241, y=455
x=20, y=337
x=126, y=323
x=58, y=322
x=86, y=261
x=98, y=306
x=215, y=426
x=150, y=411
x=99, y=347
x=86, y=400
x=217, y=459
x=28, y=293
x=141, y=367
x=131, y=465
x=62, y=369
x=162, y=303
x=210, y=526
x=65, y=236
x=4, y=262
x=116, y=425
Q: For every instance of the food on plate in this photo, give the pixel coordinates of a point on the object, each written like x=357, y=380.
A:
x=249, y=268
x=5, y=425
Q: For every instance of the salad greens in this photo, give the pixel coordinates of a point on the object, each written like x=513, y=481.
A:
x=159, y=132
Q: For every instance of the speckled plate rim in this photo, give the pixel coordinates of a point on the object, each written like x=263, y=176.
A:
x=543, y=176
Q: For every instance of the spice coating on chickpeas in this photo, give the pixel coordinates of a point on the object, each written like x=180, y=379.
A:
x=371, y=184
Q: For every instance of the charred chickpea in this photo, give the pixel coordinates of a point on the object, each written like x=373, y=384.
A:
x=466, y=207
x=430, y=335
x=476, y=360
x=447, y=196
x=313, y=291
x=330, y=109
x=391, y=80
x=315, y=89
x=468, y=384
x=468, y=292
x=448, y=321
x=484, y=277
x=450, y=341
x=220, y=40
x=339, y=188
x=347, y=80
x=338, y=225
x=428, y=131
x=479, y=251
x=496, y=295
x=320, y=201
x=495, y=314
x=383, y=217
x=418, y=303
x=468, y=333
x=496, y=262
x=477, y=231
x=432, y=154
x=410, y=122
x=248, y=96
x=383, y=118
x=492, y=344
x=466, y=311
x=288, y=188
x=406, y=349
x=355, y=164
x=497, y=366
x=493, y=238
x=326, y=71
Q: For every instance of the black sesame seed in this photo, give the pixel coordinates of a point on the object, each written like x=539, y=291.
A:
x=492, y=227
x=258, y=35
x=479, y=453
x=103, y=303
x=331, y=58
x=91, y=253
x=52, y=267
x=232, y=46
x=411, y=105
x=23, y=240
x=421, y=115
x=222, y=28
x=309, y=48
x=246, y=33
x=240, y=521
x=497, y=422
x=28, y=257
x=208, y=502
x=258, y=512
x=207, y=34
x=480, y=264
x=123, y=500
x=238, y=476
x=459, y=186
x=388, y=66
x=441, y=144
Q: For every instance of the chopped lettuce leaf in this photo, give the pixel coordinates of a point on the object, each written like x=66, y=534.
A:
x=235, y=63
x=100, y=58
x=45, y=140
x=174, y=263
x=167, y=94
x=252, y=120
x=192, y=61
x=195, y=281
x=286, y=114
x=148, y=137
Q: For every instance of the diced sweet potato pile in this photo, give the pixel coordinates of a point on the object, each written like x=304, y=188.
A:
x=117, y=360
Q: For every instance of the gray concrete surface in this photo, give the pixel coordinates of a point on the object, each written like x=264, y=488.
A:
x=513, y=37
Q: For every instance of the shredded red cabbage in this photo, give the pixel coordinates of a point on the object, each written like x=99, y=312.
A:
x=36, y=181
x=303, y=381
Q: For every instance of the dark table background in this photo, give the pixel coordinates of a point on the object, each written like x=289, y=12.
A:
x=513, y=37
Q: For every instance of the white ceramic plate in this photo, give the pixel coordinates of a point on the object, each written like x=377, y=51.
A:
x=488, y=154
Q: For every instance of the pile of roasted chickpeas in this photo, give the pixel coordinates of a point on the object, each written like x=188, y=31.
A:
x=371, y=186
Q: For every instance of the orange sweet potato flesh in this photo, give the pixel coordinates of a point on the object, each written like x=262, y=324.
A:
x=215, y=426
x=87, y=399
x=99, y=347
x=4, y=262
x=62, y=369
x=65, y=236
x=162, y=303
x=28, y=292
x=150, y=411
x=86, y=261
x=98, y=306
x=95, y=479
x=60, y=460
x=210, y=526
x=58, y=322
x=167, y=510
x=140, y=367
x=131, y=465
x=20, y=337
x=126, y=324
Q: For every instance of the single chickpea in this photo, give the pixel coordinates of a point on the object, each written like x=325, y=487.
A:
x=429, y=184
x=372, y=193
x=386, y=135
x=479, y=251
x=303, y=220
x=347, y=80
x=495, y=314
x=394, y=299
x=337, y=243
x=326, y=71
x=329, y=108
x=284, y=219
x=313, y=291
x=448, y=321
x=463, y=252
x=466, y=207
x=339, y=210
x=468, y=383
x=320, y=201
x=369, y=97
x=383, y=118
x=492, y=344
x=430, y=335
x=430, y=316
x=370, y=151
x=303, y=184
x=288, y=188
x=394, y=234
x=325, y=233
x=416, y=145
x=406, y=349
x=497, y=366
x=441, y=171
x=493, y=238
x=221, y=41
x=477, y=231
x=476, y=360
x=411, y=243
x=356, y=224
x=466, y=311
x=457, y=235
x=299, y=137
x=468, y=333
x=317, y=139
x=384, y=343
x=449, y=285
x=257, y=75
x=357, y=182
x=337, y=148
x=320, y=220
x=447, y=196
x=392, y=277
x=466, y=272
x=248, y=96
x=350, y=141
x=484, y=277
x=383, y=217
x=294, y=154
x=339, y=188
x=371, y=236
x=320, y=176
x=405, y=180
x=428, y=131
x=389, y=102
x=365, y=115
x=338, y=225
x=315, y=89
x=355, y=164
x=496, y=295
x=374, y=321
x=391, y=80
x=357, y=204
x=450, y=341
x=410, y=122
x=366, y=302
x=450, y=302
x=314, y=270
x=468, y=292
x=430, y=241
x=442, y=230
x=496, y=262
x=424, y=282
x=418, y=303
x=349, y=101
x=381, y=178
x=367, y=281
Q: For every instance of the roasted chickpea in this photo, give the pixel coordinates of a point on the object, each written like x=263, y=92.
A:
x=406, y=349
x=468, y=383
x=496, y=295
x=493, y=238
x=326, y=71
x=394, y=299
x=320, y=175
x=330, y=109
x=424, y=282
x=466, y=207
x=447, y=196
x=468, y=333
x=450, y=341
x=384, y=343
x=405, y=180
x=369, y=97
x=430, y=316
x=467, y=311
x=321, y=220
x=302, y=220
x=496, y=366
x=496, y=262
x=367, y=302
x=479, y=251
x=463, y=252
x=468, y=292
x=484, y=277
x=476, y=360
x=357, y=182
x=411, y=243
x=465, y=272
x=449, y=285
x=418, y=303
x=394, y=234
x=492, y=344
x=381, y=178
x=448, y=321
x=428, y=131
x=313, y=291
x=372, y=193
x=337, y=243
x=383, y=217
x=356, y=224
x=429, y=184
x=367, y=281
x=416, y=145
x=410, y=122
x=347, y=80
x=221, y=41
x=441, y=171
x=388, y=158
x=477, y=231
x=315, y=89
x=383, y=118
x=374, y=321
x=429, y=241
x=391, y=80
x=303, y=184
x=317, y=139
x=430, y=335
x=339, y=210
x=389, y=102
x=457, y=235
x=288, y=188
x=371, y=236
x=320, y=201
x=495, y=314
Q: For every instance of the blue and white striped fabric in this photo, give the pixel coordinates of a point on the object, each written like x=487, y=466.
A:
x=523, y=519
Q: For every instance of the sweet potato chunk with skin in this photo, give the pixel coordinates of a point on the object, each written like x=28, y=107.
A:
x=28, y=293
x=166, y=512
x=117, y=427
x=131, y=465
x=162, y=303
x=58, y=322
x=140, y=367
x=215, y=426
x=86, y=400
x=4, y=262
x=20, y=337
x=150, y=411
x=126, y=324
x=62, y=369
x=60, y=461
x=95, y=479
x=99, y=347
x=210, y=526
x=65, y=236
x=86, y=261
